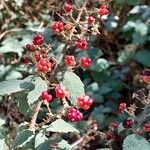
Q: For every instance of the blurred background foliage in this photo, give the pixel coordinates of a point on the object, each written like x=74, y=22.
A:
x=119, y=54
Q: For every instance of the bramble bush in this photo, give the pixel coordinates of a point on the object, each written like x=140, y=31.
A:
x=75, y=75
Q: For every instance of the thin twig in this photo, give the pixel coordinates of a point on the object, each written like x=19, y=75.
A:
x=34, y=117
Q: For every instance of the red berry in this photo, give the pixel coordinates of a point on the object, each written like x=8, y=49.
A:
x=46, y=96
x=58, y=26
x=85, y=102
x=82, y=44
x=85, y=62
x=38, y=39
x=74, y=114
x=104, y=7
x=25, y=60
x=146, y=76
x=91, y=20
x=37, y=56
x=122, y=107
x=70, y=60
x=61, y=91
x=103, y=10
x=68, y=7
x=30, y=47
x=110, y=135
x=127, y=123
x=44, y=65
x=147, y=127
x=113, y=125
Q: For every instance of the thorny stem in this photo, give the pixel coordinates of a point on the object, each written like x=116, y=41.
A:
x=38, y=107
x=35, y=114
x=78, y=18
x=143, y=116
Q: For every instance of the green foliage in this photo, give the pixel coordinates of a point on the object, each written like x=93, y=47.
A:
x=23, y=138
x=135, y=142
x=3, y=143
x=143, y=57
x=12, y=44
x=39, y=86
x=74, y=86
x=13, y=86
x=60, y=126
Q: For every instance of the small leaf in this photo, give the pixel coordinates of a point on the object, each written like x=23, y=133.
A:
x=3, y=143
x=39, y=86
x=63, y=145
x=135, y=142
x=100, y=65
x=74, y=86
x=22, y=138
x=61, y=126
x=143, y=57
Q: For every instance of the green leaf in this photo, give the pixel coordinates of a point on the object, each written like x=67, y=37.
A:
x=39, y=86
x=100, y=65
x=135, y=142
x=61, y=126
x=63, y=145
x=40, y=140
x=23, y=105
x=143, y=57
x=12, y=44
x=127, y=54
x=23, y=138
x=74, y=86
x=13, y=86
x=3, y=143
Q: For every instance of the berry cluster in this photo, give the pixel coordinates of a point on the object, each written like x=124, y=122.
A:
x=74, y=114
x=70, y=61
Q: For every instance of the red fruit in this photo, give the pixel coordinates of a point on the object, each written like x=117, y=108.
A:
x=74, y=114
x=30, y=47
x=122, y=107
x=68, y=7
x=44, y=65
x=103, y=10
x=37, y=56
x=61, y=91
x=58, y=26
x=127, y=123
x=147, y=127
x=104, y=7
x=70, y=60
x=113, y=125
x=85, y=102
x=146, y=76
x=25, y=60
x=110, y=136
x=85, y=62
x=91, y=20
x=82, y=44
x=46, y=96
x=38, y=39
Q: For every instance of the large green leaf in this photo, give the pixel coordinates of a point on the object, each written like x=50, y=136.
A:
x=61, y=126
x=41, y=142
x=13, y=86
x=39, y=86
x=74, y=86
x=23, y=138
x=12, y=44
x=135, y=142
